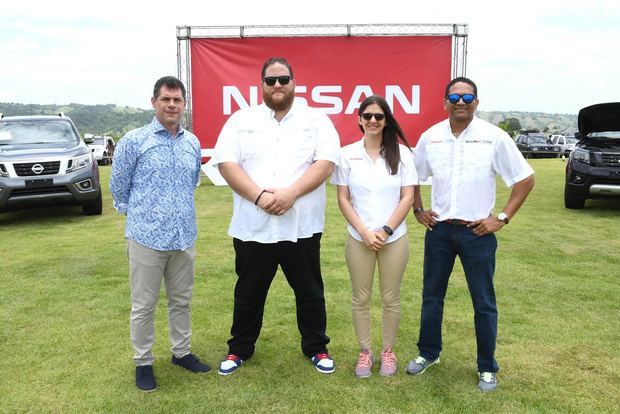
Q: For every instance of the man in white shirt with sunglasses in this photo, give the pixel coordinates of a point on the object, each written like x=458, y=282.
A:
x=276, y=157
x=464, y=154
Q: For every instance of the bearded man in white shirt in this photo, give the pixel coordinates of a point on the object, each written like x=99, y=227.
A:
x=464, y=154
x=276, y=157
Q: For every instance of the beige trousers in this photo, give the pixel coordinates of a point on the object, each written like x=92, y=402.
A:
x=361, y=261
x=147, y=268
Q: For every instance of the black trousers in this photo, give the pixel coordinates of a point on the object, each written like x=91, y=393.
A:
x=256, y=265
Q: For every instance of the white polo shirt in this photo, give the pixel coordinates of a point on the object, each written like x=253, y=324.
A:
x=464, y=168
x=275, y=154
x=374, y=192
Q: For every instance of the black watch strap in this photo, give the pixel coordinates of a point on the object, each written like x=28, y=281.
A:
x=388, y=230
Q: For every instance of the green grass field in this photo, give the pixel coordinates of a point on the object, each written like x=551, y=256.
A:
x=64, y=319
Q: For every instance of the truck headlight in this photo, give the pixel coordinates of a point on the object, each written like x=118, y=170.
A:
x=581, y=155
x=79, y=162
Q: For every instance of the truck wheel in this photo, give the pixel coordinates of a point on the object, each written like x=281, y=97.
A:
x=573, y=202
x=94, y=208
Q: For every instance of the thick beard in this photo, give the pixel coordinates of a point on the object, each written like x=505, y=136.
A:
x=282, y=105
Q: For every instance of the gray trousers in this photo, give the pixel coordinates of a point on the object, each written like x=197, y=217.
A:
x=147, y=268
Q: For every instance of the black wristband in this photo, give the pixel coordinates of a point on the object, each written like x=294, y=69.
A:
x=388, y=230
x=258, y=198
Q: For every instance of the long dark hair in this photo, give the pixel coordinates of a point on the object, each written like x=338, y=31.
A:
x=391, y=133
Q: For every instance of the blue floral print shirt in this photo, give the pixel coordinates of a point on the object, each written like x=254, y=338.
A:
x=154, y=176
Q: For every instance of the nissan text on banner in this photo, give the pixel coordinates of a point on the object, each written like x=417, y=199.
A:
x=333, y=73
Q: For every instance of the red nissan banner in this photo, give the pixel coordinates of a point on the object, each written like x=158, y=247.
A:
x=332, y=73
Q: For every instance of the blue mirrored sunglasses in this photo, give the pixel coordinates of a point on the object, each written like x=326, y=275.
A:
x=454, y=98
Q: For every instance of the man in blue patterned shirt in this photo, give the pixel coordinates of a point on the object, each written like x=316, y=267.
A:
x=154, y=175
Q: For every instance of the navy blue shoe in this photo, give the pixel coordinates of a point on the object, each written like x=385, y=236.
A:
x=230, y=364
x=145, y=378
x=191, y=363
x=323, y=363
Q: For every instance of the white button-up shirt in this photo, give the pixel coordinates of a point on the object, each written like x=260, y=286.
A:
x=374, y=192
x=464, y=168
x=275, y=155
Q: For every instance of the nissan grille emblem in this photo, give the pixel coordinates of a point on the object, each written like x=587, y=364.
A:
x=37, y=168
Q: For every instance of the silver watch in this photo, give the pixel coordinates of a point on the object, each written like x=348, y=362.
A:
x=503, y=217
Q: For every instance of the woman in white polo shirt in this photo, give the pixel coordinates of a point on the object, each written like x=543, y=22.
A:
x=375, y=178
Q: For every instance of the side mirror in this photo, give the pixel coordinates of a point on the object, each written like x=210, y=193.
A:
x=89, y=140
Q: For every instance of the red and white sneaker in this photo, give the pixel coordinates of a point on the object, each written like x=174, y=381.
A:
x=229, y=365
x=323, y=363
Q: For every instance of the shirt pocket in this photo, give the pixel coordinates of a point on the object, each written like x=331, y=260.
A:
x=154, y=156
x=304, y=145
x=439, y=157
x=477, y=160
x=187, y=162
x=251, y=145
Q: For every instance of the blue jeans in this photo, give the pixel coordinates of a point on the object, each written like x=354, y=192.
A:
x=477, y=255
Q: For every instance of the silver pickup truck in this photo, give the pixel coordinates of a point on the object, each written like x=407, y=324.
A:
x=44, y=162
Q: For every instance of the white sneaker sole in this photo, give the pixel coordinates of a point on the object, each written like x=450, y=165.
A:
x=425, y=368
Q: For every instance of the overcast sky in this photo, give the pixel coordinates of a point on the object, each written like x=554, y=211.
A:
x=536, y=56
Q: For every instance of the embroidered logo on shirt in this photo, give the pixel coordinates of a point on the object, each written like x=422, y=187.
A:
x=356, y=159
x=479, y=141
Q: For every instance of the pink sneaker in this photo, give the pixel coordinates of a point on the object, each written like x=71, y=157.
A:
x=388, y=363
x=364, y=364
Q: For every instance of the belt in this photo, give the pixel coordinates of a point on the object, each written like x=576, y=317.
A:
x=457, y=222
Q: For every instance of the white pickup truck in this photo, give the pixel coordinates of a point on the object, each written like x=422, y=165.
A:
x=102, y=147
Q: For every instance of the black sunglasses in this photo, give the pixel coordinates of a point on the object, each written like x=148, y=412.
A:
x=271, y=80
x=368, y=116
x=454, y=98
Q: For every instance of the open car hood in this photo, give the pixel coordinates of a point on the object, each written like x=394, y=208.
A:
x=599, y=118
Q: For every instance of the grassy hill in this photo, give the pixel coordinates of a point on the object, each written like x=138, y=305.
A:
x=108, y=119
x=117, y=120
x=549, y=123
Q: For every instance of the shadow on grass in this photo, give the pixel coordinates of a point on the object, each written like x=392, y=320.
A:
x=603, y=204
x=40, y=215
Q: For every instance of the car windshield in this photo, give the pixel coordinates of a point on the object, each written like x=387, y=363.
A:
x=36, y=132
x=534, y=139
x=99, y=141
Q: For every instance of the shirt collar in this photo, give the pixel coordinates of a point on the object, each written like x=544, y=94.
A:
x=362, y=151
x=297, y=103
x=158, y=127
x=471, y=125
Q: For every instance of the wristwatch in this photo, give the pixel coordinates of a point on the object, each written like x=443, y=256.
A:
x=418, y=209
x=388, y=230
x=503, y=217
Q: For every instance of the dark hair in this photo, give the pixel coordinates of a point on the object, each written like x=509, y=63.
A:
x=464, y=80
x=169, y=82
x=273, y=60
x=391, y=133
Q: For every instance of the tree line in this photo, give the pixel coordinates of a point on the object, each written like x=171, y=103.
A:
x=107, y=119
x=116, y=120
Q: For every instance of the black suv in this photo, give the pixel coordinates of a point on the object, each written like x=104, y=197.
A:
x=43, y=162
x=536, y=145
x=593, y=169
